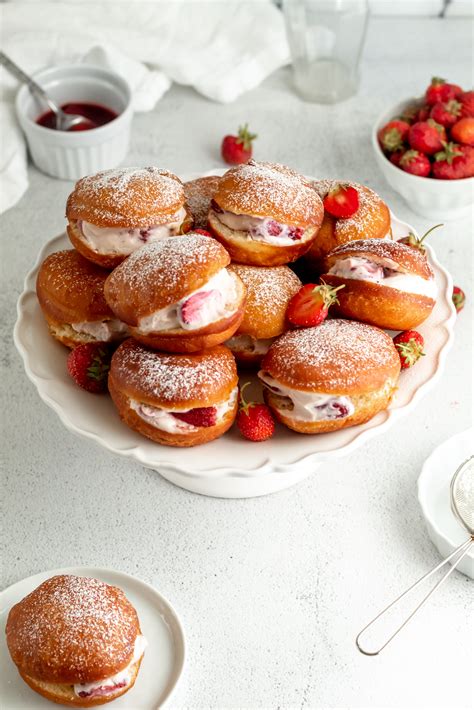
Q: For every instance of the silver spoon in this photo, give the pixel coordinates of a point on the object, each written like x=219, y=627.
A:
x=462, y=504
x=64, y=121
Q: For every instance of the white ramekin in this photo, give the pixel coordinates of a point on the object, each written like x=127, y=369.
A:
x=71, y=155
x=445, y=531
x=431, y=198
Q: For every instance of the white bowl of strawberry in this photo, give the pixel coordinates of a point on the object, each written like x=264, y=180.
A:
x=425, y=148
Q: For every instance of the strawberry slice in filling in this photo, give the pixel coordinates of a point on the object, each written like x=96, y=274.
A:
x=202, y=307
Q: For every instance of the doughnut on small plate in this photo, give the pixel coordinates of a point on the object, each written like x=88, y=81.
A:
x=229, y=467
x=162, y=663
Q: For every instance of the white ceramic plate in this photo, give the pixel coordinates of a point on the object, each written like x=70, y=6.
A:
x=444, y=529
x=231, y=466
x=162, y=663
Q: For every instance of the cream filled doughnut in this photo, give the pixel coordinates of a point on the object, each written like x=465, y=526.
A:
x=333, y=376
x=70, y=291
x=269, y=290
x=265, y=214
x=115, y=212
x=174, y=399
x=76, y=641
x=386, y=283
x=177, y=295
x=371, y=221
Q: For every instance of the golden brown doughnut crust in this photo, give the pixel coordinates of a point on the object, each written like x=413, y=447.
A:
x=378, y=305
x=71, y=290
x=64, y=694
x=366, y=406
x=411, y=261
x=252, y=252
x=269, y=290
x=161, y=273
x=204, y=434
x=72, y=630
x=270, y=190
x=199, y=194
x=337, y=357
x=371, y=221
x=126, y=197
x=173, y=380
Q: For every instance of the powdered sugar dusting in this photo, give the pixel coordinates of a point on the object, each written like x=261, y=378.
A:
x=339, y=352
x=65, y=270
x=174, y=378
x=369, y=204
x=413, y=260
x=269, y=189
x=268, y=287
x=167, y=264
x=71, y=626
x=139, y=194
x=199, y=194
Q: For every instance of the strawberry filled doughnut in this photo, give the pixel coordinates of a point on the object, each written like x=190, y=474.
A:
x=76, y=641
x=269, y=290
x=70, y=291
x=265, y=214
x=174, y=399
x=347, y=217
x=330, y=377
x=115, y=212
x=386, y=283
x=177, y=294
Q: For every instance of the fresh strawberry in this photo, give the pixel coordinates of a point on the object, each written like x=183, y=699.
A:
x=463, y=131
x=191, y=309
x=254, y=420
x=426, y=136
x=446, y=113
x=342, y=201
x=440, y=90
x=201, y=416
x=466, y=100
x=423, y=113
x=393, y=135
x=412, y=240
x=396, y=157
x=415, y=163
x=410, y=347
x=459, y=298
x=454, y=162
x=238, y=149
x=310, y=306
x=204, y=232
x=88, y=365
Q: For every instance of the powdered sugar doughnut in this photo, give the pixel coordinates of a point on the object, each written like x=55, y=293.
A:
x=336, y=375
x=371, y=221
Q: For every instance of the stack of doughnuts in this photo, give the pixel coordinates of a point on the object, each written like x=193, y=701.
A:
x=189, y=306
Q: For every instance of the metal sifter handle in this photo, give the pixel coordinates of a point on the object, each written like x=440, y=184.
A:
x=461, y=551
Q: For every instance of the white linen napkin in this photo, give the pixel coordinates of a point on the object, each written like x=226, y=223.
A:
x=222, y=48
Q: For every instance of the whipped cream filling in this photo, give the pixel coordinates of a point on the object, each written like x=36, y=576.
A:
x=114, y=682
x=260, y=229
x=308, y=406
x=125, y=240
x=385, y=273
x=103, y=330
x=212, y=302
x=247, y=344
x=163, y=418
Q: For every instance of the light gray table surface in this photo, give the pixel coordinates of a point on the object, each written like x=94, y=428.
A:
x=273, y=590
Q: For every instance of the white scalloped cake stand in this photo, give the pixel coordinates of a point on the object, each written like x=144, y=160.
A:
x=230, y=467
